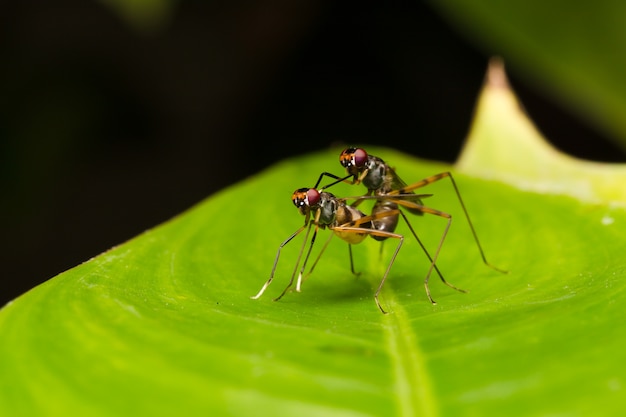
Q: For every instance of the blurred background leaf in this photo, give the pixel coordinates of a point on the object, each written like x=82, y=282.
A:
x=144, y=15
x=572, y=51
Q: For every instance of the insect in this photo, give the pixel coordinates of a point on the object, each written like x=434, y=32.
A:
x=322, y=209
x=381, y=180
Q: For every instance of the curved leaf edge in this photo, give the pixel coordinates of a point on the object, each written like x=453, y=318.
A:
x=504, y=145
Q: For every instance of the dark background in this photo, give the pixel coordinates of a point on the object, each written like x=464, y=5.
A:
x=106, y=131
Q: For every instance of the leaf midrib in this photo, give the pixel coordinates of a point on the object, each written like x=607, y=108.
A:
x=413, y=388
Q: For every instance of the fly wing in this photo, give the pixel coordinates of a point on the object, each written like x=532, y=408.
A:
x=396, y=183
x=394, y=180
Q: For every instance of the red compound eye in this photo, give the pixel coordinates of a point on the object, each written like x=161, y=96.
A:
x=359, y=157
x=312, y=197
x=356, y=157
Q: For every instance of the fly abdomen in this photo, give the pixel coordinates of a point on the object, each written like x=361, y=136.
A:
x=350, y=216
x=384, y=222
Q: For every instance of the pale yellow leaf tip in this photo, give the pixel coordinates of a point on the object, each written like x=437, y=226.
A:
x=503, y=144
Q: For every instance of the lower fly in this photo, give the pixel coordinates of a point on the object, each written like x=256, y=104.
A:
x=324, y=210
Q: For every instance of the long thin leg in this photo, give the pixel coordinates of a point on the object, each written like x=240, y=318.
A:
x=360, y=200
x=328, y=174
x=402, y=197
x=352, y=261
x=293, y=275
x=440, y=176
x=428, y=254
x=393, y=258
x=355, y=227
x=269, y=281
x=318, y=258
x=405, y=200
x=408, y=201
x=375, y=232
x=301, y=277
x=433, y=260
x=433, y=263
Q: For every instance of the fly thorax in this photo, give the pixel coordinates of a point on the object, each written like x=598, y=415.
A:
x=328, y=208
x=376, y=173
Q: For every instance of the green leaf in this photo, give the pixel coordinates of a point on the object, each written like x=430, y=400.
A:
x=164, y=324
x=573, y=51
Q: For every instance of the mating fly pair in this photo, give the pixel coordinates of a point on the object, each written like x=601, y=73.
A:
x=389, y=192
